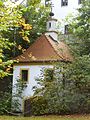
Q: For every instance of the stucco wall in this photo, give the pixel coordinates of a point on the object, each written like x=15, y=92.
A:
x=34, y=72
x=62, y=11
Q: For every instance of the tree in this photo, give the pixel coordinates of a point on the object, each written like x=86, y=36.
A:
x=12, y=23
x=81, y=45
x=35, y=14
x=81, y=29
x=9, y=17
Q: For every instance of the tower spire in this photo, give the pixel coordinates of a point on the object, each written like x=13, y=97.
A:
x=51, y=24
x=51, y=14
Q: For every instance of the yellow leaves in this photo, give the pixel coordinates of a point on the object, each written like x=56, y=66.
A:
x=1, y=56
x=21, y=33
x=24, y=25
x=26, y=38
x=24, y=29
x=22, y=21
x=19, y=47
x=30, y=55
x=0, y=60
x=27, y=27
x=23, y=50
x=8, y=69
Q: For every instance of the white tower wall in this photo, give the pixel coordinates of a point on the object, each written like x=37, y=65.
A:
x=52, y=28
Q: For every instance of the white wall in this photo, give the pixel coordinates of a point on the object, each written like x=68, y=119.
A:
x=34, y=72
x=62, y=11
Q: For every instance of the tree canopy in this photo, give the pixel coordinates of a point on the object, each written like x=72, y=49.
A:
x=81, y=29
x=9, y=17
x=35, y=14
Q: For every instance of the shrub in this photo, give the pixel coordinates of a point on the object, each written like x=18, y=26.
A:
x=36, y=105
x=65, y=90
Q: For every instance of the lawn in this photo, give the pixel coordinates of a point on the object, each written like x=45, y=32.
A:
x=67, y=117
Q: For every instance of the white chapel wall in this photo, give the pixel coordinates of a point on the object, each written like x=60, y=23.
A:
x=34, y=72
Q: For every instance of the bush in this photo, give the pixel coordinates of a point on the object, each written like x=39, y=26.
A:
x=64, y=92
x=36, y=105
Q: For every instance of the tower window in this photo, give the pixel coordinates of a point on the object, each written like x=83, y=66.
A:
x=49, y=24
x=79, y=1
x=24, y=75
x=66, y=29
x=64, y=2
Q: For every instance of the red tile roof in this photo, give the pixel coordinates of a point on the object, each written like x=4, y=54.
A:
x=45, y=49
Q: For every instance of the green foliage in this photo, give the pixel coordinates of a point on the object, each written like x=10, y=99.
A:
x=5, y=99
x=34, y=14
x=40, y=103
x=9, y=100
x=37, y=15
x=17, y=95
x=67, y=92
x=80, y=28
x=8, y=18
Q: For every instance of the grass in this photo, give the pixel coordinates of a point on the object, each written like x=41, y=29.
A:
x=67, y=117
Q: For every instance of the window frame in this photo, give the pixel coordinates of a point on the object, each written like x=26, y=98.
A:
x=66, y=29
x=27, y=75
x=64, y=3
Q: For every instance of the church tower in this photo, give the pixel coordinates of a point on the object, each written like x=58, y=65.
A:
x=52, y=26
